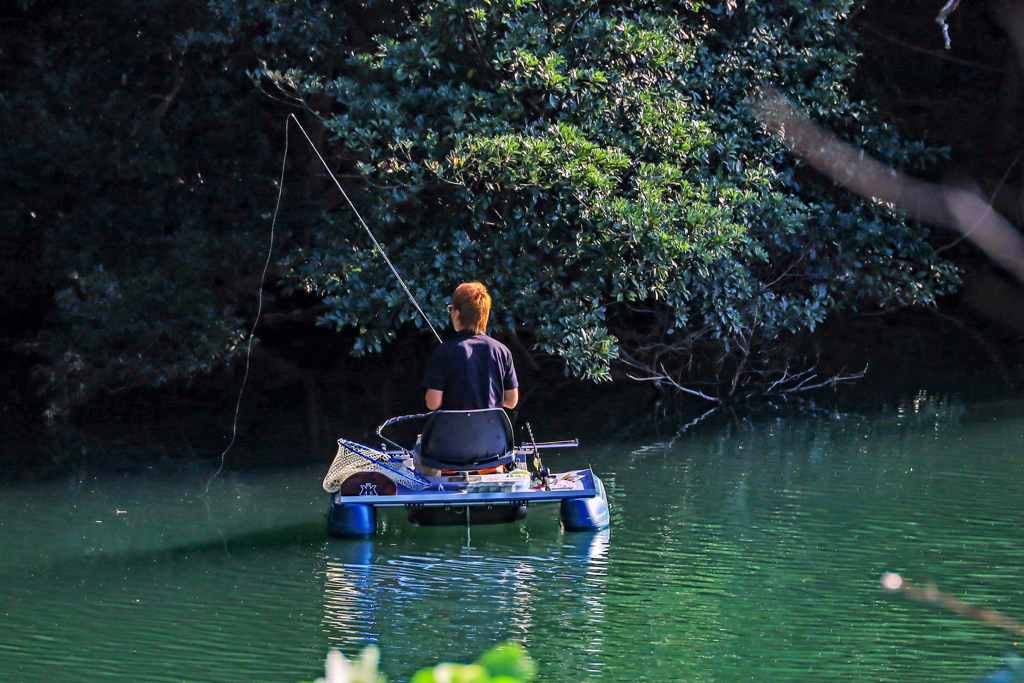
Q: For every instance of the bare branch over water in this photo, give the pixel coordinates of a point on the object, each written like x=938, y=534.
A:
x=965, y=210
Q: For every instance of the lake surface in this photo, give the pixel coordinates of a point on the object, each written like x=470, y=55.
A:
x=739, y=550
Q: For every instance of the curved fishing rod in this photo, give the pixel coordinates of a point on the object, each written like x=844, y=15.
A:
x=367, y=228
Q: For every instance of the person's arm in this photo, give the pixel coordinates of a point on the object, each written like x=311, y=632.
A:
x=511, y=398
x=433, y=377
x=433, y=398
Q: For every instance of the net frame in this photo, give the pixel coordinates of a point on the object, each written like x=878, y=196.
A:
x=354, y=457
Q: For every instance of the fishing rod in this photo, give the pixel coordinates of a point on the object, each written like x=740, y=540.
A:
x=367, y=228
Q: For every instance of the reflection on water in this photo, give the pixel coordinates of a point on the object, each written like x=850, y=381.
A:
x=472, y=591
x=465, y=599
x=740, y=550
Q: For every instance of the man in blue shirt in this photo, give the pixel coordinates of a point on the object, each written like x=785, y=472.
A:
x=471, y=370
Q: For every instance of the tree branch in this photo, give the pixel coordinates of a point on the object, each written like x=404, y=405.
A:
x=963, y=210
x=944, y=13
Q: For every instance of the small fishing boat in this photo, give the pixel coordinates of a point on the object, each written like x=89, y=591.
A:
x=482, y=477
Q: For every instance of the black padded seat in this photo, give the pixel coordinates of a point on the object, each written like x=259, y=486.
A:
x=460, y=440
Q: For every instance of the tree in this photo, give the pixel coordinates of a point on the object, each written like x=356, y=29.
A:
x=135, y=170
x=596, y=164
x=600, y=167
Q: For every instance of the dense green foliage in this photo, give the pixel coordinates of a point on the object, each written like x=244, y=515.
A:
x=594, y=163
x=599, y=167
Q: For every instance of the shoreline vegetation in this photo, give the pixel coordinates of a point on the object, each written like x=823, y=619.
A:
x=648, y=238
x=284, y=422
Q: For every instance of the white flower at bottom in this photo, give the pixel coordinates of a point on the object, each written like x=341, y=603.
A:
x=338, y=669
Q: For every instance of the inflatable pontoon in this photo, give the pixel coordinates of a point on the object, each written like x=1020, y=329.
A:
x=479, y=477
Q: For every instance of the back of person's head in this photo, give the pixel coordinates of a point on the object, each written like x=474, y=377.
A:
x=473, y=303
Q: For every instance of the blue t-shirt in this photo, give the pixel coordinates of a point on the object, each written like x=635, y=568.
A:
x=473, y=370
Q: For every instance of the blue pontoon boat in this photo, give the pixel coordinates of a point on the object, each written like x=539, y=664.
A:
x=482, y=477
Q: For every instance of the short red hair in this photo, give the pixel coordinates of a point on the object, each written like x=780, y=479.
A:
x=473, y=303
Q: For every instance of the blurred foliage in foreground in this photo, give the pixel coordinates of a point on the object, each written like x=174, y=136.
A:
x=596, y=164
x=502, y=664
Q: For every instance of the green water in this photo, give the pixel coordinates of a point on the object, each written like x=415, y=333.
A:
x=739, y=550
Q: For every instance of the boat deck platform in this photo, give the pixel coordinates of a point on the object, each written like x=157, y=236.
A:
x=475, y=490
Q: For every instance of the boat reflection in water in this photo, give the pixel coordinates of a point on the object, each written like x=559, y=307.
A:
x=435, y=591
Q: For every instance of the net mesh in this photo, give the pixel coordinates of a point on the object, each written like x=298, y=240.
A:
x=354, y=457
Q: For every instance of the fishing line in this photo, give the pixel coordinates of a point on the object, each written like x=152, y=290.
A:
x=367, y=228
x=266, y=266
x=259, y=310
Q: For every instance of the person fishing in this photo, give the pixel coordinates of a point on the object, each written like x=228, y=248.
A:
x=471, y=370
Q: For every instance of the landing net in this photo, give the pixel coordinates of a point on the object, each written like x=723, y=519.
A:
x=354, y=457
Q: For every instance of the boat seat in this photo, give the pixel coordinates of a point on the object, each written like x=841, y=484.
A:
x=461, y=440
